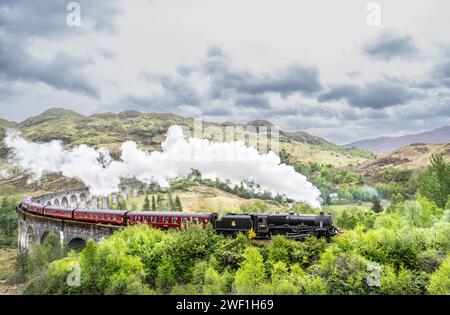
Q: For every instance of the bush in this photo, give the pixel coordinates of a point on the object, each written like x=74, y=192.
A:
x=251, y=273
x=440, y=280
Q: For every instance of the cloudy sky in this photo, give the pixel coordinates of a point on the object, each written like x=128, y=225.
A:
x=315, y=66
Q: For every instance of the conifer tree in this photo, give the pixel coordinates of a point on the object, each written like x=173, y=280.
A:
x=153, y=203
x=146, y=206
x=178, y=206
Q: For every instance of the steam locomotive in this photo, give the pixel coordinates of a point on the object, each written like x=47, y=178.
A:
x=262, y=225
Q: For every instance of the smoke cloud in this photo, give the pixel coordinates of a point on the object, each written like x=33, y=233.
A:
x=230, y=161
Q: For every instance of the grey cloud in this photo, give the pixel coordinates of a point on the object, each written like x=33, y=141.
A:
x=350, y=114
x=181, y=90
x=256, y=101
x=216, y=110
x=442, y=70
x=62, y=71
x=376, y=114
x=377, y=95
x=21, y=21
x=441, y=73
x=242, y=88
x=47, y=18
x=390, y=46
x=293, y=78
x=290, y=79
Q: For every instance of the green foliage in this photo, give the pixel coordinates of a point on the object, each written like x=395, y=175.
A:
x=440, y=280
x=122, y=205
x=8, y=222
x=255, y=207
x=146, y=206
x=435, y=181
x=376, y=205
x=409, y=243
x=178, y=206
x=171, y=203
x=251, y=273
x=354, y=216
x=22, y=263
x=344, y=273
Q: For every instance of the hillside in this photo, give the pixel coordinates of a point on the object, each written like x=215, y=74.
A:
x=388, y=144
x=148, y=130
x=412, y=157
x=6, y=123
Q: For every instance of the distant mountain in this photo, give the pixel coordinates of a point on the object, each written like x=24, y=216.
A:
x=388, y=144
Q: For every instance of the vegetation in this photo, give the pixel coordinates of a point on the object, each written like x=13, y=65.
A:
x=411, y=259
x=8, y=223
x=402, y=249
x=435, y=181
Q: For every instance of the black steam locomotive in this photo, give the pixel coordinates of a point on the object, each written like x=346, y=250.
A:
x=295, y=226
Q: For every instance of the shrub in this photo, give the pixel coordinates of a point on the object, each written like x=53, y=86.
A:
x=440, y=280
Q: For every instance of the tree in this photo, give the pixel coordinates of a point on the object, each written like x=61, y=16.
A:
x=178, y=206
x=146, y=206
x=21, y=264
x=153, y=203
x=376, y=205
x=171, y=203
x=328, y=200
x=8, y=218
x=435, y=181
x=440, y=280
x=122, y=205
x=251, y=273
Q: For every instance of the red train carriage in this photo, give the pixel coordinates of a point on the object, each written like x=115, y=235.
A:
x=59, y=212
x=32, y=207
x=100, y=216
x=167, y=220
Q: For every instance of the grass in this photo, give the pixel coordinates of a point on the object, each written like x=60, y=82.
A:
x=204, y=199
x=7, y=260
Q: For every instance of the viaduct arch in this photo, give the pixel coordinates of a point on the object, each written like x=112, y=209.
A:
x=34, y=229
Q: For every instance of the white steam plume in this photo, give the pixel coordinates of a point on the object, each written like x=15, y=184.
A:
x=229, y=161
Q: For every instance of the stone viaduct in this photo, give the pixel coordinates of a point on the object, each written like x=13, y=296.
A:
x=33, y=229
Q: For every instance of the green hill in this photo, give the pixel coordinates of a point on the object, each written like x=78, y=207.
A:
x=148, y=130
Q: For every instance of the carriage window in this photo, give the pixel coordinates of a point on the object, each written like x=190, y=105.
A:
x=174, y=220
x=194, y=220
x=184, y=220
x=153, y=219
x=165, y=220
